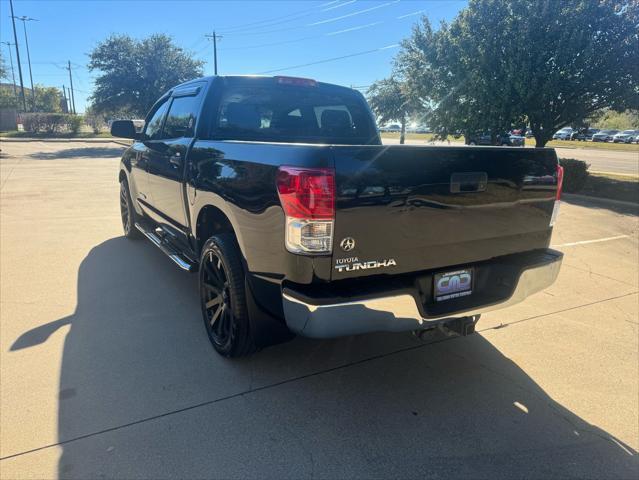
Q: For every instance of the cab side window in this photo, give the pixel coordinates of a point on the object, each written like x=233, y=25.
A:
x=180, y=122
x=153, y=128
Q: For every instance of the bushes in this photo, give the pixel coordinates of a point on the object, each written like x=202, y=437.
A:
x=75, y=123
x=95, y=121
x=51, y=122
x=575, y=174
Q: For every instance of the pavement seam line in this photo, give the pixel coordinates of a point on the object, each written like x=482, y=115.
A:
x=284, y=382
x=586, y=242
x=502, y=325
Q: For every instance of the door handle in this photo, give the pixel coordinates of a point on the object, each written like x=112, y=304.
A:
x=176, y=160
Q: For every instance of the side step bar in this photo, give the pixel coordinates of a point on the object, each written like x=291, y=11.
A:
x=180, y=259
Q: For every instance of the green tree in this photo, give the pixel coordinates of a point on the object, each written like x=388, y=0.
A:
x=4, y=71
x=620, y=120
x=47, y=99
x=7, y=97
x=502, y=62
x=133, y=74
x=389, y=101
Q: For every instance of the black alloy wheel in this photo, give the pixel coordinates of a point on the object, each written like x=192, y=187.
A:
x=127, y=212
x=216, y=300
x=223, y=297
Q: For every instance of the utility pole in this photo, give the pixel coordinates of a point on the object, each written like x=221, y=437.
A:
x=72, y=94
x=24, y=20
x=15, y=42
x=64, y=97
x=215, y=38
x=13, y=73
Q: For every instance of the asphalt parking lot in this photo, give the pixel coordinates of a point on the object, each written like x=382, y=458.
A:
x=106, y=371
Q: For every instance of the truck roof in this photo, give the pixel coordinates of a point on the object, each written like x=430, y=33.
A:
x=212, y=78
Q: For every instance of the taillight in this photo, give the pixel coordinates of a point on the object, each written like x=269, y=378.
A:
x=560, y=184
x=307, y=196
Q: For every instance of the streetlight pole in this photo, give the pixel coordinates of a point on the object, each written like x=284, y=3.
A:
x=15, y=42
x=13, y=73
x=24, y=20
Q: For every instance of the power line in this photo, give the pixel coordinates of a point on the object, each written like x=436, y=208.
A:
x=295, y=40
x=326, y=60
x=320, y=22
x=352, y=14
x=312, y=37
x=339, y=6
x=282, y=18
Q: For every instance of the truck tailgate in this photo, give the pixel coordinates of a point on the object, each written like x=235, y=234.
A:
x=405, y=209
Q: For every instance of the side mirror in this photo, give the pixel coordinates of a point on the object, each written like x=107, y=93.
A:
x=123, y=129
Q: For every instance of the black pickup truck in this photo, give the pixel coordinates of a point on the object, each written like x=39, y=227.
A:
x=278, y=191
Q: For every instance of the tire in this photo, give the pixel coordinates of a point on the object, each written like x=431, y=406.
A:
x=127, y=212
x=223, y=297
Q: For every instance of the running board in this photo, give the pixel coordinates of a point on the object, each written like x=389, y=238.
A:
x=180, y=260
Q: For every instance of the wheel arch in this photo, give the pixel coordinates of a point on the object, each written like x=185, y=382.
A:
x=211, y=221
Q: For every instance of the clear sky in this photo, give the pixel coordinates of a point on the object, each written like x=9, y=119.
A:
x=258, y=36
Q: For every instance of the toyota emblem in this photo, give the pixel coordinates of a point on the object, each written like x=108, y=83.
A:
x=347, y=244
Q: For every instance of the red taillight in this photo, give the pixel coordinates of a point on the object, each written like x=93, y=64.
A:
x=307, y=193
x=560, y=181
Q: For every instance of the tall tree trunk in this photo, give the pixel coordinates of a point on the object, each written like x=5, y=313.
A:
x=402, y=133
x=540, y=139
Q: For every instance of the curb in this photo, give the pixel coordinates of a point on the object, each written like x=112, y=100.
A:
x=608, y=201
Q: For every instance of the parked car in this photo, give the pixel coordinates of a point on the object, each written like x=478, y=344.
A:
x=563, y=134
x=280, y=194
x=583, y=134
x=391, y=128
x=604, y=135
x=504, y=140
x=626, y=136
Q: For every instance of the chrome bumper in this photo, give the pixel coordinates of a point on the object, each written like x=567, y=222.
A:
x=397, y=313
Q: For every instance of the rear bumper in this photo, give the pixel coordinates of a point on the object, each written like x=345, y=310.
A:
x=401, y=311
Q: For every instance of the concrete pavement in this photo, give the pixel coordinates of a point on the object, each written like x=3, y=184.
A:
x=106, y=370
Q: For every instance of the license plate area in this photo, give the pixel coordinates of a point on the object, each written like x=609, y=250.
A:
x=455, y=284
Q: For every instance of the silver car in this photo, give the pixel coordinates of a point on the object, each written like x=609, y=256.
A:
x=627, y=136
x=563, y=134
x=604, y=135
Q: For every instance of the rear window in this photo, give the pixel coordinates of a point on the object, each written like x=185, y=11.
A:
x=291, y=113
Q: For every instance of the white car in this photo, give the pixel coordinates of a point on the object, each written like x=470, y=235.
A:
x=626, y=136
x=563, y=134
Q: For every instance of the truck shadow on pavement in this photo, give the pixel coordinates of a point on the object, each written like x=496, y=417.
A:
x=80, y=152
x=143, y=394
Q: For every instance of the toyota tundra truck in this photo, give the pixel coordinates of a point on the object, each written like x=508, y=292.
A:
x=280, y=194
